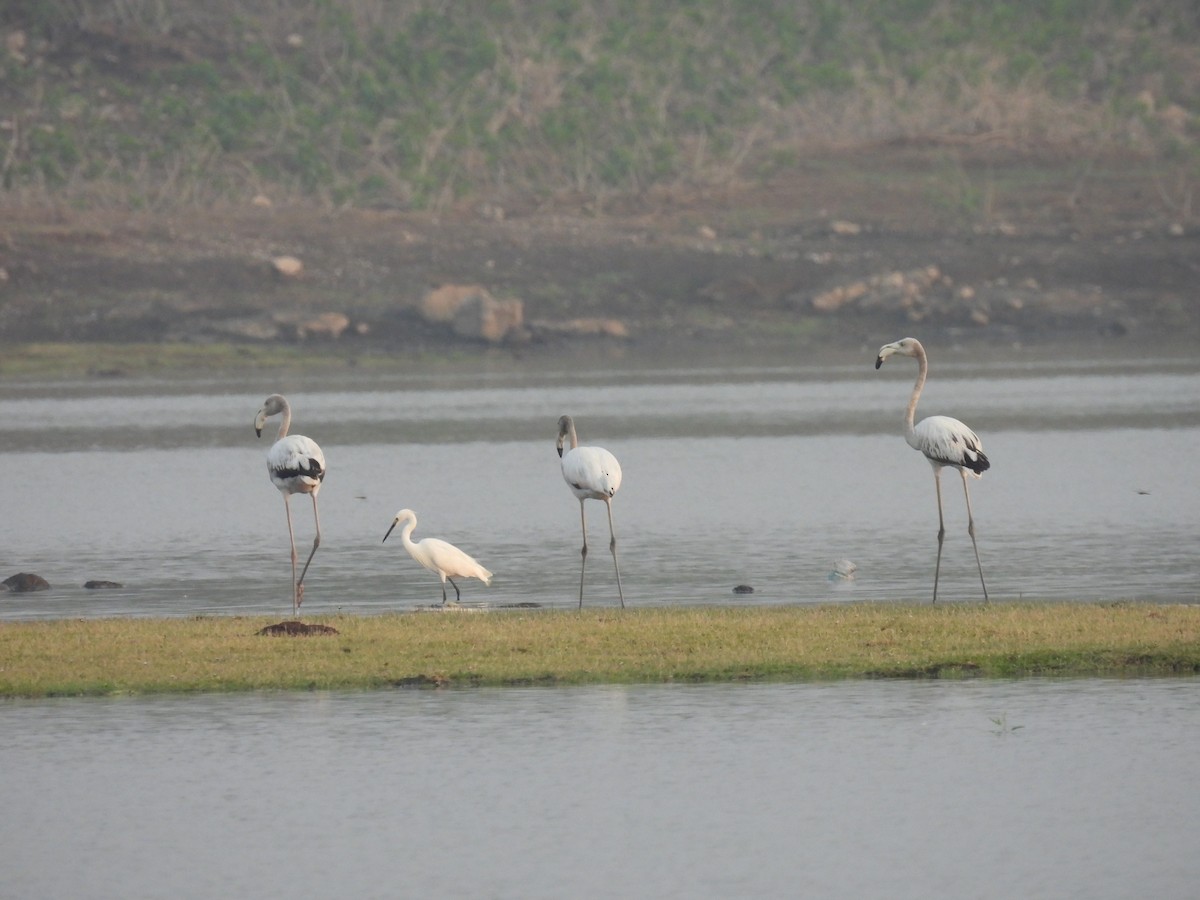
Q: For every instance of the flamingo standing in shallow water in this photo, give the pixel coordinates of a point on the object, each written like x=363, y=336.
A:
x=944, y=442
x=296, y=466
x=443, y=559
x=592, y=473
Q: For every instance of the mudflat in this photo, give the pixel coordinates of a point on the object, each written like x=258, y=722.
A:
x=952, y=244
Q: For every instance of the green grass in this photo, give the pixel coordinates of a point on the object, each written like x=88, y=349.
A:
x=695, y=644
x=419, y=104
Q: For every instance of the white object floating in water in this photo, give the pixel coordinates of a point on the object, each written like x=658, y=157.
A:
x=843, y=572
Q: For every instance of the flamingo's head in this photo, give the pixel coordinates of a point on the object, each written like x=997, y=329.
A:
x=904, y=347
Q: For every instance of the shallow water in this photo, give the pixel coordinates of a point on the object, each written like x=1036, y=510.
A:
x=733, y=474
x=1031, y=789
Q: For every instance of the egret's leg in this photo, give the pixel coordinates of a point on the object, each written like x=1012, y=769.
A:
x=971, y=532
x=612, y=545
x=937, y=571
x=583, y=552
x=443, y=590
x=287, y=508
x=457, y=595
x=311, y=553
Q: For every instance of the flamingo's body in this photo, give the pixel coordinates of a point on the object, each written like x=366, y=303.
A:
x=296, y=466
x=592, y=473
x=944, y=442
x=443, y=559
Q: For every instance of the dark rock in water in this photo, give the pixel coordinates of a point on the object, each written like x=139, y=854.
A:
x=23, y=582
x=523, y=604
x=99, y=584
x=295, y=629
x=743, y=589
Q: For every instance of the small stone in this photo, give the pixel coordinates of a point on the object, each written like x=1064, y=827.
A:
x=326, y=325
x=287, y=266
x=25, y=582
x=830, y=300
x=441, y=303
x=487, y=318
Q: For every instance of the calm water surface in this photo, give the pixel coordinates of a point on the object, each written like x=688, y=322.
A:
x=755, y=474
x=1025, y=789
x=735, y=473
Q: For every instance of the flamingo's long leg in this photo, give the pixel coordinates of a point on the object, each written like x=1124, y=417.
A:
x=287, y=508
x=583, y=552
x=971, y=531
x=612, y=545
x=311, y=553
x=937, y=571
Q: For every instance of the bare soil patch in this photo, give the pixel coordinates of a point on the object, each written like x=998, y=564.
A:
x=296, y=629
x=844, y=251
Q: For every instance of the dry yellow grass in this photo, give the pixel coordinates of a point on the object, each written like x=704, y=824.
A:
x=550, y=647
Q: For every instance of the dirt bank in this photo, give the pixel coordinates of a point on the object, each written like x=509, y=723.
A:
x=852, y=251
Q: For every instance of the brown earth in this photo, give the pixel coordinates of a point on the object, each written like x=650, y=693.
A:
x=296, y=628
x=845, y=251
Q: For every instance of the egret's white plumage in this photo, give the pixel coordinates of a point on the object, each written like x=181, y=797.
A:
x=296, y=466
x=944, y=442
x=592, y=473
x=439, y=557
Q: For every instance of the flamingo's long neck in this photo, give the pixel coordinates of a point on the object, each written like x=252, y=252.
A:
x=285, y=422
x=910, y=413
x=572, y=438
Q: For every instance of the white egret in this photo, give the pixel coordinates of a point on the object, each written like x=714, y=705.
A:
x=944, y=442
x=592, y=473
x=296, y=466
x=439, y=557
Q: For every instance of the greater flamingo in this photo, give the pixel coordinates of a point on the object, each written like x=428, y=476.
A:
x=296, y=466
x=944, y=442
x=592, y=473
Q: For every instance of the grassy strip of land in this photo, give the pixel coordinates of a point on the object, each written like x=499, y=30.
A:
x=696, y=644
